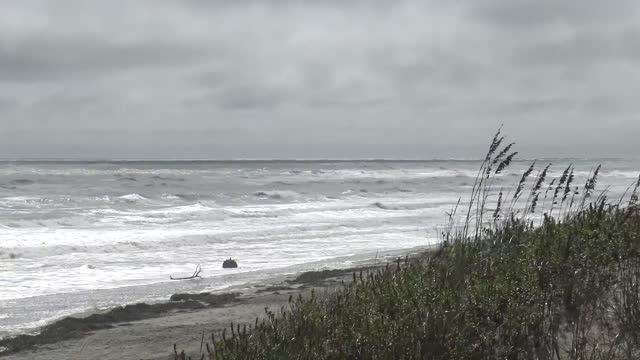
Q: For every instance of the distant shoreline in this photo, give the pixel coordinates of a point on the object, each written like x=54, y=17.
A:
x=287, y=161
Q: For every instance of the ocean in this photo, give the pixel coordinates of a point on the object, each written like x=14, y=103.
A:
x=81, y=236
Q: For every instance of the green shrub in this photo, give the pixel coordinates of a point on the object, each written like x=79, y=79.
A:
x=508, y=283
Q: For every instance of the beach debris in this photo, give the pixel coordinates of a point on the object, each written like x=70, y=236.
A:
x=229, y=264
x=196, y=274
x=206, y=298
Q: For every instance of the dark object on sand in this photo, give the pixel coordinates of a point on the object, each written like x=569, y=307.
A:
x=229, y=264
x=206, y=298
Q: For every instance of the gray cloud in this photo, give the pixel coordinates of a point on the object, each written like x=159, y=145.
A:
x=585, y=49
x=518, y=13
x=54, y=59
x=299, y=79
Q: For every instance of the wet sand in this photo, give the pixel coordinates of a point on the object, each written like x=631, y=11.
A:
x=149, y=331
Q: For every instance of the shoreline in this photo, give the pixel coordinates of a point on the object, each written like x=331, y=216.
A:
x=196, y=314
x=28, y=315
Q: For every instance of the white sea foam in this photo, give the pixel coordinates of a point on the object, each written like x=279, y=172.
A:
x=133, y=197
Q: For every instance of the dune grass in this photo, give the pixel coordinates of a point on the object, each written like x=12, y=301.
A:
x=509, y=282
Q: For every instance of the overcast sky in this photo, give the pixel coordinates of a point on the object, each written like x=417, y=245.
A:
x=317, y=79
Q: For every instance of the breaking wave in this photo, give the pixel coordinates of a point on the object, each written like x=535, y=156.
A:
x=133, y=198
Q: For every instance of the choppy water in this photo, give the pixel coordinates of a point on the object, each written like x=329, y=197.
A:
x=77, y=236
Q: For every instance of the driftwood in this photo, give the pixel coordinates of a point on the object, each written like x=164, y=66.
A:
x=196, y=274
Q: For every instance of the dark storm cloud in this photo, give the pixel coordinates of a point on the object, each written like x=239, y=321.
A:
x=584, y=49
x=280, y=78
x=250, y=97
x=47, y=58
x=526, y=13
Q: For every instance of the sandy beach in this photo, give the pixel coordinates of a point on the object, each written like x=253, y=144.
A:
x=144, y=331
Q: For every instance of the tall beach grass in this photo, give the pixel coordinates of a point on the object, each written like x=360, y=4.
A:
x=549, y=269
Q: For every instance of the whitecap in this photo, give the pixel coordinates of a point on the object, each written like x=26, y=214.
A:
x=133, y=198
